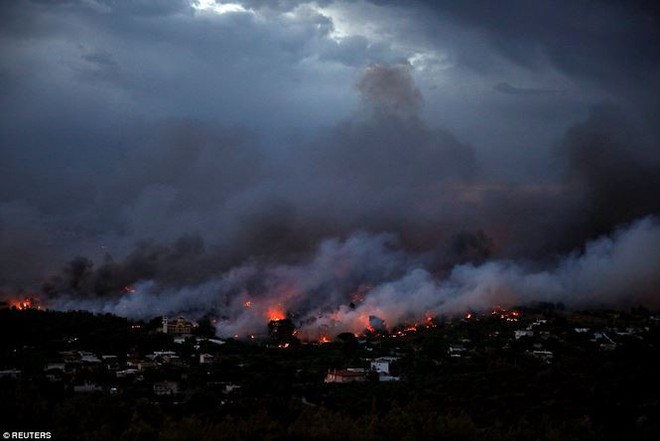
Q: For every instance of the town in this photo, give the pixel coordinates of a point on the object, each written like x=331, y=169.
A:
x=530, y=371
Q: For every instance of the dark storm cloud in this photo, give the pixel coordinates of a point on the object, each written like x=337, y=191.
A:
x=603, y=40
x=124, y=7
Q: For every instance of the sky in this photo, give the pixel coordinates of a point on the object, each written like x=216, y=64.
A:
x=170, y=142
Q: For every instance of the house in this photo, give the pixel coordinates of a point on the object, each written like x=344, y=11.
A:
x=215, y=341
x=546, y=356
x=162, y=357
x=179, y=327
x=166, y=388
x=126, y=373
x=10, y=373
x=87, y=388
x=520, y=333
x=607, y=342
x=68, y=356
x=388, y=378
x=382, y=364
x=88, y=357
x=205, y=358
x=456, y=351
x=231, y=387
x=350, y=375
x=144, y=365
x=110, y=361
x=55, y=367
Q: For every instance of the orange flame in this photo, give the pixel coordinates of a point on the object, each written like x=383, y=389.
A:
x=275, y=313
x=367, y=324
x=504, y=314
x=24, y=304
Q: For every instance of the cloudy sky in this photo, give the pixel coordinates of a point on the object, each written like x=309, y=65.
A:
x=180, y=138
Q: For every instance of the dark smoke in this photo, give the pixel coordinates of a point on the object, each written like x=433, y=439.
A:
x=326, y=293
x=381, y=201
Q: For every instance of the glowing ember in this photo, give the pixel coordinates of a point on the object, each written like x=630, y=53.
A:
x=248, y=304
x=504, y=314
x=468, y=316
x=128, y=289
x=324, y=339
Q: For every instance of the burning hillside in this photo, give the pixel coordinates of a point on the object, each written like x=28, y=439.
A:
x=368, y=282
x=24, y=304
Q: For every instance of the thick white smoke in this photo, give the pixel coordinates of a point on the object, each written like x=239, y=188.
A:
x=346, y=282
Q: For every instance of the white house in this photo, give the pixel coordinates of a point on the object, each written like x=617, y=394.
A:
x=520, y=333
x=382, y=364
x=205, y=358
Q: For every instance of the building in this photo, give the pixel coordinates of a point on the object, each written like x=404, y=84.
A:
x=456, y=351
x=205, y=358
x=350, y=375
x=382, y=364
x=520, y=333
x=166, y=388
x=546, y=356
x=180, y=326
x=89, y=357
x=87, y=388
x=10, y=373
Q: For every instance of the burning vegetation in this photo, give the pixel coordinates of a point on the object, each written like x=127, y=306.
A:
x=24, y=304
x=285, y=332
x=505, y=314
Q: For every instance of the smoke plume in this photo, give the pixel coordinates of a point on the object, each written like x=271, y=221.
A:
x=368, y=281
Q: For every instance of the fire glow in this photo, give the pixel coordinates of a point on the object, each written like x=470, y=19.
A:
x=505, y=314
x=25, y=304
x=275, y=313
